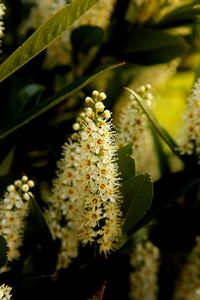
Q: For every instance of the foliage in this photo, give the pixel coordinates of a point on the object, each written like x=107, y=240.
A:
x=39, y=105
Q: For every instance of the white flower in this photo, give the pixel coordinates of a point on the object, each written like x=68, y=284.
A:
x=5, y=292
x=189, y=140
x=187, y=283
x=133, y=127
x=14, y=208
x=2, y=13
x=144, y=279
x=98, y=165
x=64, y=206
x=86, y=186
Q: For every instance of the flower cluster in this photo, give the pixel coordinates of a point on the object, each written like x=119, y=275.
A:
x=64, y=205
x=5, y=292
x=59, y=53
x=144, y=279
x=85, y=199
x=100, y=178
x=14, y=208
x=189, y=142
x=2, y=13
x=187, y=286
x=133, y=128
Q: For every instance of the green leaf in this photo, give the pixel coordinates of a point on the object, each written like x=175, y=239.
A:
x=3, y=251
x=151, y=39
x=138, y=194
x=155, y=124
x=167, y=190
x=86, y=36
x=44, y=236
x=125, y=162
x=51, y=102
x=181, y=15
x=150, y=46
x=44, y=36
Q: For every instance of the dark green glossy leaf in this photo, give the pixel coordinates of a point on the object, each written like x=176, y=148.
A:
x=150, y=46
x=51, y=102
x=138, y=194
x=125, y=162
x=167, y=190
x=44, y=36
x=3, y=251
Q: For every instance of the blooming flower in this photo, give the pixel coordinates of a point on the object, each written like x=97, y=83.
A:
x=144, y=278
x=5, y=292
x=14, y=208
x=64, y=205
x=187, y=285
x=189, y=140
x=133, y=127
x=101, y=221
x=85, y=199
x=2, y=13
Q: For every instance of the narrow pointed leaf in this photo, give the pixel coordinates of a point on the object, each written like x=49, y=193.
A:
x=51, y=102
x=152, y=39
x=44, y=36
x=156, y=45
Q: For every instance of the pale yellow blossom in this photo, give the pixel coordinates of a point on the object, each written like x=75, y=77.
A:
x=14, y=208
x=144, y=278
x=189, y=139
x=2, y=13
x=5, y=292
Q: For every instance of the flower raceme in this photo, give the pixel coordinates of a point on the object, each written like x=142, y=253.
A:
x=14, y=208
x=86, y=191
x=64, y=205
x=133, y=127
x=145, y=259
x=100, y=177
x=187, y=284
x=2, y=13
x=133, y=122
x=189, y=142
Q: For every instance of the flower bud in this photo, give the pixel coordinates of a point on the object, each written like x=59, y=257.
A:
x=99, y=106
